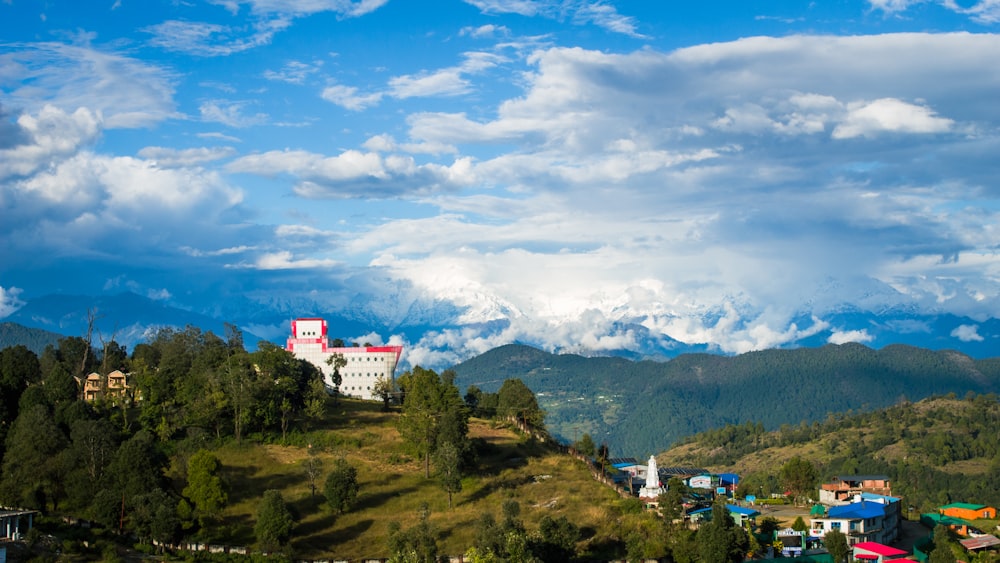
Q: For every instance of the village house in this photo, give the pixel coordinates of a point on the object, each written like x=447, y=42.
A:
x=115, y=386
x=968, y=511
x=842, y=488
x=866, y=520
x=960, y=526
x=876, y=552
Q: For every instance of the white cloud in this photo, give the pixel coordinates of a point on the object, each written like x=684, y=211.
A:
x=843, y=337
x=124, y=91
x=212, y=40
x=348, y=97
x=354, y=174
x=230, y=113
x=967, y=333
x=10, y=301
x=485, y=31
x=986, y=12
x=169, y=157
x=294, y=72
x=581, y=12
x=345, y=8
x=868, y=119
x=285, y=260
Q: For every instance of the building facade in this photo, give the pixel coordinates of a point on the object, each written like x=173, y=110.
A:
x=866, y=520
x=842, y=488
x=365, y=365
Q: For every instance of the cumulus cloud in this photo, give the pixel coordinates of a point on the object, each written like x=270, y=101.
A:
x=65, y=199
x=843, y=337
x=867, y=119
x=967, y=333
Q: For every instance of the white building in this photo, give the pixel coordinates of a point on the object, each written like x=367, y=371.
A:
x=365, y=364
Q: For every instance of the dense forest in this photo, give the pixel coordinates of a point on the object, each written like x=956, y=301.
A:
x=641, y=408
x=936, y=451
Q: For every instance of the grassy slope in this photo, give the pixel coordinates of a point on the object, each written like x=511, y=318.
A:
x=392, y=487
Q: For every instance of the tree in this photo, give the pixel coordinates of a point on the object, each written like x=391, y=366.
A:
x=274, y=521
x=341, y=488
x=154, y=517
x=942, y=551
x=135, y=470
x=799, y=525
x=414, y=545
x=32, y=468
x=671, y=502
x=383, y=389
x=336, y=362
x=836, y=543
x=799, y=476
x=719, y=540
x=312, y=466
x=205, y=488
x=19, y=368
x=558, y=537
x=448, y=464
x=586, y=446
x=433, y=412
x=517, y=402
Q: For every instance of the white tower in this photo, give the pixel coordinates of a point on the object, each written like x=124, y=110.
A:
x=652, y=489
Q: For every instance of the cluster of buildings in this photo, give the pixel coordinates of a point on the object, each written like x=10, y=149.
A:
x=861, y=507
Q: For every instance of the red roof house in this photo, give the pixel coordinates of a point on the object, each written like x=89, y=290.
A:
x=877, y=552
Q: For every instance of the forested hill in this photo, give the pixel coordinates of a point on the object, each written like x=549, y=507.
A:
x=641, y=408
x=34, y=339
x=935, y=451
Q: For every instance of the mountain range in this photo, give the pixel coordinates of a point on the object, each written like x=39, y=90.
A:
x=439, y=335
x=639, y=399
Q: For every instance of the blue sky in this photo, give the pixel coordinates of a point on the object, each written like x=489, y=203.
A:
x=709, y=169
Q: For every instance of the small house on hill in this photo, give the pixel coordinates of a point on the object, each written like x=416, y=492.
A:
x=968, y=511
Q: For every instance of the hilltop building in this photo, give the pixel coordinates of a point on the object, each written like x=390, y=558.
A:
x=365, y=364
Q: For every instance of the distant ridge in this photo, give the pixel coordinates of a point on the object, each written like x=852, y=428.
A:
x=34, y=339
x=642, y=408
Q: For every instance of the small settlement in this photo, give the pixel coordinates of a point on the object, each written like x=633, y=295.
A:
x=862, y=507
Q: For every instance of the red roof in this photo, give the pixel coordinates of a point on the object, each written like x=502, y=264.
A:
x=878, y=549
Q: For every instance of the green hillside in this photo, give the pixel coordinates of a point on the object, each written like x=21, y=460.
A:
x=640, y=408
x=392, y=487
x=936, y=451
x=34, y=339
